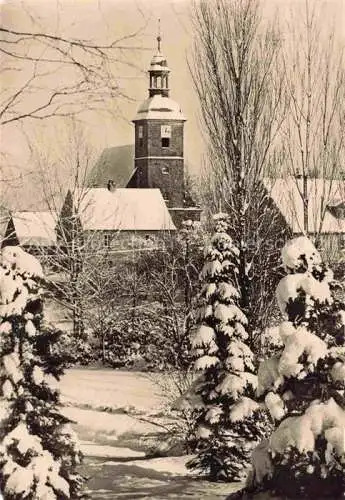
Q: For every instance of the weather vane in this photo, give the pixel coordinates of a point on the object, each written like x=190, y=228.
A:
x=159, y=38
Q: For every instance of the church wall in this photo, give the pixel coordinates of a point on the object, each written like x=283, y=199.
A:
x=154, y=138
x=167, y=175
x=121, y=241
x=141, y=148
x=151, y=138
x=179, y=215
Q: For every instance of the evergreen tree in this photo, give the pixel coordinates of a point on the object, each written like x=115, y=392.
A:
x=227, y=420
x=39, y=451
x=304, y=384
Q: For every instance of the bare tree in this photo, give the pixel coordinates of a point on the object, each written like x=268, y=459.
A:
x=46, y=72
x=173, y=275
x=314, y=132
x=151, y=311
x=241, y=92
x=79, y=253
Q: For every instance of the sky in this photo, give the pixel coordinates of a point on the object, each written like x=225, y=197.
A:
x=104, y=20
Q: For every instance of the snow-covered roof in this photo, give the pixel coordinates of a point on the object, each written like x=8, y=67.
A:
x=34, y=228
x=287, y=195
x=159, y=107
x=123, y=209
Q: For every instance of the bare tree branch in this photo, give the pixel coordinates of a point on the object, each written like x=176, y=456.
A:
x=48, y=74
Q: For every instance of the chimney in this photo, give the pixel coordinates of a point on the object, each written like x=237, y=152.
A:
x=111, y=185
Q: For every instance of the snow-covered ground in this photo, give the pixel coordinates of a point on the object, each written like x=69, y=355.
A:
x=120, y=419
x=111, y=388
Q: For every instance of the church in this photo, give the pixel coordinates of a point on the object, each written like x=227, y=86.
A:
x=157, y=159
x=136, y=189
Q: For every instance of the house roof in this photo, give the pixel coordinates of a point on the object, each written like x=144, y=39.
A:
x=124, y=209
x=33, y=228
x=116, y=163
x=287, y=194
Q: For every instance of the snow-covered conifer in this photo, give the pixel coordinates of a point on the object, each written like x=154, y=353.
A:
x=38, y=451
x=228, y=421
x=303, y=386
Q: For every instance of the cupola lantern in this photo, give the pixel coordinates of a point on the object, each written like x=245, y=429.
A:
x=159, y=72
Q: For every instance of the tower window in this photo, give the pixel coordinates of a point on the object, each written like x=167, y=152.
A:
x=165, y=135
x=141, y=135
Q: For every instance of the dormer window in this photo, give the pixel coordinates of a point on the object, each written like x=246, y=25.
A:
x=341, y=212
x=337, y=210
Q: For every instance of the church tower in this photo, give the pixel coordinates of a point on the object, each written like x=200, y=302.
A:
x=159, y=124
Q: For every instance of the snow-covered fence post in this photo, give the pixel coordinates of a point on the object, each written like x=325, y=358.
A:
x=304, y=385
x=38, y=451
x=228, y=422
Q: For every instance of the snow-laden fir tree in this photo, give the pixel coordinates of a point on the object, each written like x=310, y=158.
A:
x=304, y=384
x=228, y=422
x=39, y=450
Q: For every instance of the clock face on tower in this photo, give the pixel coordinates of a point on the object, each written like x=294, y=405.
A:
x=166, y=131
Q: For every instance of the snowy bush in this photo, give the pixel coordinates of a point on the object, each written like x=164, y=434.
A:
x=303, y=386
x=227, y=420
x=76, y=351
x=39, y=450
x=149, y=339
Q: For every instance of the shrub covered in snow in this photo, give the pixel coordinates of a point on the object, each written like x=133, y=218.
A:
x=39, y=450
x=77, y=351
x=227, y=419
x=303, y=386
x=149, y=339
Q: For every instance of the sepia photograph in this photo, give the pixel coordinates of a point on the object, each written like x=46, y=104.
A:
x=172, y=261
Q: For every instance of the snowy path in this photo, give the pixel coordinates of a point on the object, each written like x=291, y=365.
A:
x=133, y=480
x=107, y=406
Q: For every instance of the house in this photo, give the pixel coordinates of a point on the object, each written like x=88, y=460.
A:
x=158, y=151
x=326, y=210
x=113, y=218
x=33, y=231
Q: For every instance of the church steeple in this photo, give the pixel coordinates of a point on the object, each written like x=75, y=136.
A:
x=159, y=71
x=159, y=124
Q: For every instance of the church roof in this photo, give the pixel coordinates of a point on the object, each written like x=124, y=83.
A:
x=115, y=163
x=123, y=209
x=32, y=228
x=286, y=193
x=159, y=107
